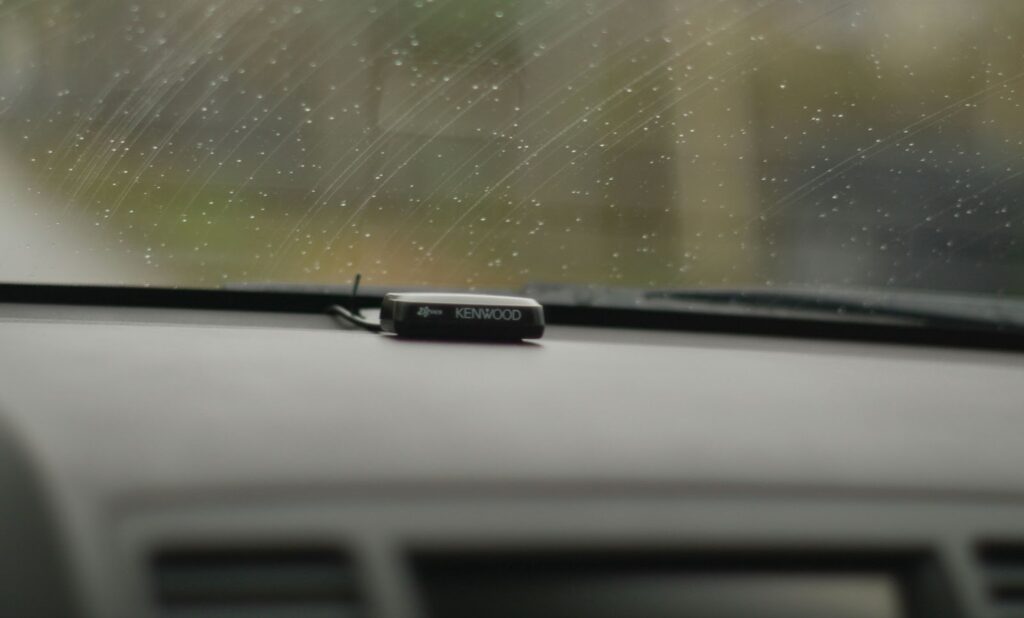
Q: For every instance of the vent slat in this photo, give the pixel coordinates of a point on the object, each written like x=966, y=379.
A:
x=265, y=582
x=263, y=611
x=1005, y=574
x=255, y=583
x=1002, y=569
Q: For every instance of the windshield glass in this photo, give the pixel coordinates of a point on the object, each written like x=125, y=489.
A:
x=499, y=143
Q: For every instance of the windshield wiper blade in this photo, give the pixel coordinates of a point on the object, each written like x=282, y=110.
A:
x=881, y=307
x=921, y=309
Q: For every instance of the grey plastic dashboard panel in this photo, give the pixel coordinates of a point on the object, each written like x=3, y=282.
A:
x=384, y=531
x=151, y=426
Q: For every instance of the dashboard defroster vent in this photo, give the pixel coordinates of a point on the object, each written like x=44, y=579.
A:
x=268, y=583
x=1002, y=570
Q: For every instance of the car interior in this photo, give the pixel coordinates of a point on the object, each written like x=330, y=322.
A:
x=511, y=309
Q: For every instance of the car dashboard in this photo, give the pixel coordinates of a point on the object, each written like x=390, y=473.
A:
x=171, y=462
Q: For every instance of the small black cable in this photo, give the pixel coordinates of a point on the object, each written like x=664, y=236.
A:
x=351, y=314
x=352, y=297
x=356, y=320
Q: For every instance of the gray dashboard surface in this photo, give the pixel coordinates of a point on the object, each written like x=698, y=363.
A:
x=145, y=424
x=115, y=404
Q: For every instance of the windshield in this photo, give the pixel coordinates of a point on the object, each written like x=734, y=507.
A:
x=488, y=144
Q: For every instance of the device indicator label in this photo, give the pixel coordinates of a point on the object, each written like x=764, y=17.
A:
x=428, y=312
